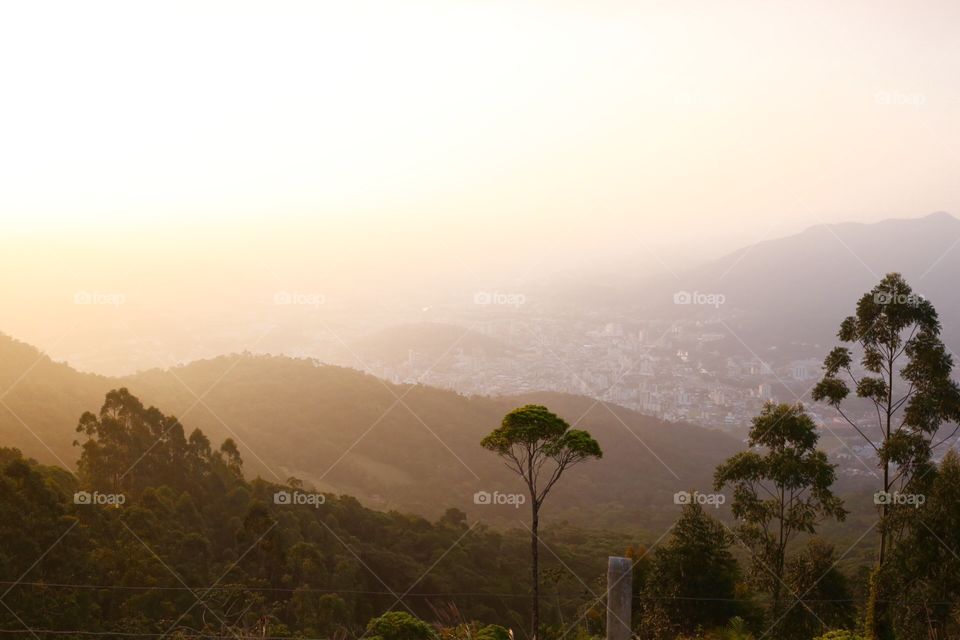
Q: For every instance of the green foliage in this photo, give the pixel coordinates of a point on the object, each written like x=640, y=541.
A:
x=300, y=415
x=908, y=377
x=891, y=323
x=539, y=446
x=872, y=627
x=782, y=487
x=130, y=447
x=399, y=625
x=922, y=577
x=493, y=632
x=191, y=520
x=693, y=578
x=36, y=522
x=908, y=381
x=825, y=598
x=531, y=436
x=737, y=629
x=527, y=425
x=782, y=479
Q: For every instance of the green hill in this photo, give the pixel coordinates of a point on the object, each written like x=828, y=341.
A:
x=411, y=448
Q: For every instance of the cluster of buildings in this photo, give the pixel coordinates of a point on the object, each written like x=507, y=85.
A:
x=694, y=372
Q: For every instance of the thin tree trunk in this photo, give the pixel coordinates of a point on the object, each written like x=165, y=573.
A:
x=886, y=465
x=876, y=617
x=535, y=568
x=781, y=553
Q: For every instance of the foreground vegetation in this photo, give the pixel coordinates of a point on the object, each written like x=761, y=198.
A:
x=160, y=534
x=196, y=550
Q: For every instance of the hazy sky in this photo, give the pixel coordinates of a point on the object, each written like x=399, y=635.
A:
x=149, y=148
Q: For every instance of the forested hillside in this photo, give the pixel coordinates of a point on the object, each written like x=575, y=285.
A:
x=193, y=546
x=412, y=448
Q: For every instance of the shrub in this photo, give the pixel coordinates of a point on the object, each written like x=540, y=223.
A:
x=399, y=625
x=493, y=632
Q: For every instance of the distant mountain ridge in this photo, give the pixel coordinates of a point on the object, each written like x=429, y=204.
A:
x=798, y=288
x=806, y=283
x=416, y=448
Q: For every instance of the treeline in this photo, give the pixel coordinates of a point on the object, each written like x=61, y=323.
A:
x=192, y=549
x=893, y=362
x=693, y=586
x=196, y=550
x=160, y=535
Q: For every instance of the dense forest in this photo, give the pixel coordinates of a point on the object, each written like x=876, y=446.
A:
x=160, y=533
x=194, y=548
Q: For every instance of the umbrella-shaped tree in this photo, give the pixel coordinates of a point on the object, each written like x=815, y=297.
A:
x=539, y=446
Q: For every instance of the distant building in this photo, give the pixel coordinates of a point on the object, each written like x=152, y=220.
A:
x=760, y=368
x=613, y=329
x=646, y=366
x=717, y=396
x=805, y=369
x=711, y=337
